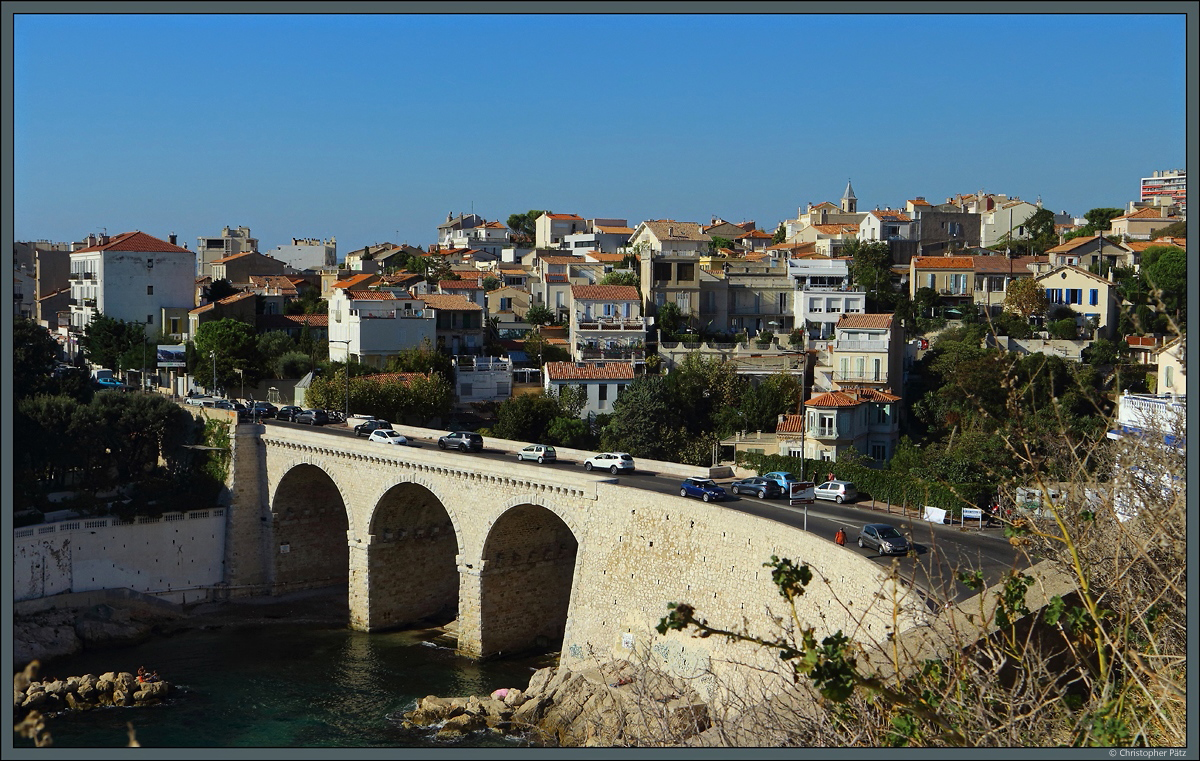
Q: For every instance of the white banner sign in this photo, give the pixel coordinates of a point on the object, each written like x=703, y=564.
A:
x=935, y=514
x=801, y=492
x=972, y=513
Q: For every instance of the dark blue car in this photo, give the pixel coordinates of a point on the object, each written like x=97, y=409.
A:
x=704, y=488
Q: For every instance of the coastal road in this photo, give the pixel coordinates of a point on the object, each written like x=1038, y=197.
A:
x=941, y=551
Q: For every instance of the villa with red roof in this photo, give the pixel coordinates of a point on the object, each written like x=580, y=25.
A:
x=607, y=324
x=603, y=382
x=372, y=326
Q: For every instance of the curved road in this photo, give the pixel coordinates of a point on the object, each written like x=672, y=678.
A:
x=941, y=551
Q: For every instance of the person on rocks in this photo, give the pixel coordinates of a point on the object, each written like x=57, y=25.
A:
x=141, y=674
x=153, y=677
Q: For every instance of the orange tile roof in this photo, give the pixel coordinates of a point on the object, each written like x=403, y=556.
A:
x=204, y=308
x=1150, y=213
x=231, y=257
x=450, y=301
x=1002, y=264
x=616, y=230
x=891, y=214
x=371, y=295
x=589, y=371
x=838, y=229
x=1075, y=243
x=942, y=262
x=554, y=277
x=495, y=225
x=461, y=285
x=790, y=424
x=602, y=256
x=1142, y=245
x=833, y=399
x=605, y=292
x=869, y=321
x=754, y=234
x=236, y=297
x=564, y=216
x=1141, y=341
x=919, y=202
x=136, y=241
x=552, y=259
x=350, y=282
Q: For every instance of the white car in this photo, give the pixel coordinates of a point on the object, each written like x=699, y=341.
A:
x=539, y=452
x=613, y=462
x=387, y=436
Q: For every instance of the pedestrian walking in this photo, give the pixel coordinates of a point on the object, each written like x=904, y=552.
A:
x=840, y=537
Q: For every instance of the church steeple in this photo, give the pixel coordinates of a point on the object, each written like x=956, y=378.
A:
x=849, y=202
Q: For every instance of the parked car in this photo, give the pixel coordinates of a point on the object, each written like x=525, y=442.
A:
x=758, y=486
x=462, y=441
x=288, y=412
x=613, y=462
x=370, y=426
x=199, y=401
x=387, y=436
x=704, y=488
x=838, y=491
x=110, y=383
x=223, y=404
x=782, y=479
x=263, y=409
x=883, y=538
x=540, y=452
x=313, y=417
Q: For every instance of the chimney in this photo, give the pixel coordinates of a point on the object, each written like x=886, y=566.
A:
x=172, y=238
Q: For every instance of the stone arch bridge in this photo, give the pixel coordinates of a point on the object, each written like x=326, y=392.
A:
x=521, y=556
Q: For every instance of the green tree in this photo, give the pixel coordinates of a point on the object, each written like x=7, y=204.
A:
x=421, y=359
x=1039, y=226
x=34, y=353
x=491, y=283
x=526, y=417
x=669, y=319
x=1065, y=329
x=235, y=346
x=870, y=266
x=108, y=342
x=525, y=225
x=1026, y=298
x=1100, y=219
x=539, y=314
x=1173, y=230
x=272, y=345
x=618, y=277
x=718, y=243
x=219, y=289
x=1166, y=275
x=309, y=302
x=293, y=364
x=780, y=234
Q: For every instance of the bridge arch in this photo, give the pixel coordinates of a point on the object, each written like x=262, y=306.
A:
x=526, y=580
x=412, y=551
x=310, y=523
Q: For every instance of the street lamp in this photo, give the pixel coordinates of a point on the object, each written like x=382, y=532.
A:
x=213, y=354
x=347, y=342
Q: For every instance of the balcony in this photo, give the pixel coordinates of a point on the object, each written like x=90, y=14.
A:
x=866, y=376
x=89, y=303
x=613, y=323
x=823, y=432
x=89, y=276
x=846, y=345
x=76, y=276
x=627, y=355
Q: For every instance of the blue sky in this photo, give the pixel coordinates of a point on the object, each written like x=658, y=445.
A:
x=373, y=127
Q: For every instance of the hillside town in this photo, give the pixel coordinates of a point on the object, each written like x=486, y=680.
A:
x=846, y=302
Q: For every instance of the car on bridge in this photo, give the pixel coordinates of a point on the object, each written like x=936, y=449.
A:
x=370, y=426
x=288, y=412
x=387, y=436
x=540, y=452
x=613, y=462
x=760, y=487
x=463, y=441
x=883, y=538
x=704, y=488
x=313, y=417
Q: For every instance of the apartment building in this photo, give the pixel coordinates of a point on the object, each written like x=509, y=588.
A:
x=606, y=323
x=133, y=277
x=867, y=351
x=669, y=257
x=210, y=249
x=551, y=229
x=307, y=253
x=372, y=326
x=823, y=293
x=1169, y=183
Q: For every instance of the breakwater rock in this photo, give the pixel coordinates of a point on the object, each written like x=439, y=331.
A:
x=81, y=693
x=614, y=704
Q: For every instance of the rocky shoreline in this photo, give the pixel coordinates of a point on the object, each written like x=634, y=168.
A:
x=81, y=693
x=614, y=704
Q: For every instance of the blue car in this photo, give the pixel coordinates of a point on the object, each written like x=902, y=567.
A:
x=704, y=488
x=782, y=479
x=111, y=383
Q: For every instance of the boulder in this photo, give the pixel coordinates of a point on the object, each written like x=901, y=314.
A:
x=466, y=722
x=493, y=707
x=537, y=683
x=514, y=698
x=531, y=711
x=37, y=640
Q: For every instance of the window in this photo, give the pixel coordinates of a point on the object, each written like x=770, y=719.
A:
x=783, y=307
x=466, y=389
x=826, y=455
x=882, y=414
x=684, y=300
x=825, y=425
x=685, y=271
x=149, y=319
x=1093, y=296
x=877, y=369
x=879, y=452
x=150, y=290
x=662, y=271
x=1074, y=295
x=929, y=281
x=1170, y=376
x=620, y=388
x=603, y=392
x=174, y=324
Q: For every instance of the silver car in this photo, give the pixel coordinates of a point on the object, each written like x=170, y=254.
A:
x=885, y=539
x=836, y=491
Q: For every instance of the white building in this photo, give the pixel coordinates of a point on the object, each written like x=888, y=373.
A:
x=132, y=277
x=889, y=224
x=372, y=326
x=308, y=253
x=602, y=382
x=823, y=295
x=1171, y=183
x=210, y=249
x=483, y=379
x=489, y=237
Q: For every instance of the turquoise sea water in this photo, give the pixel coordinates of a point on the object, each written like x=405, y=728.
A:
x=283, y=686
